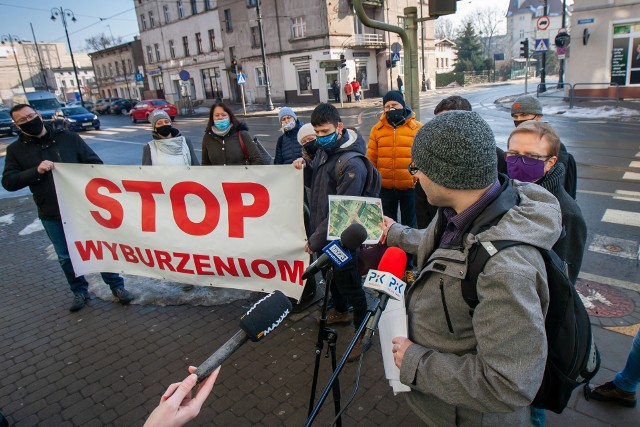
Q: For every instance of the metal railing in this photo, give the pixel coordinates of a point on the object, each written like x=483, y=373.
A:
x=551, y=90
x=368, y=40
x=573, y=96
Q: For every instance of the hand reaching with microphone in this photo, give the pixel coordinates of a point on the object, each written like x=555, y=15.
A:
x=400, y=345
x=177, y=407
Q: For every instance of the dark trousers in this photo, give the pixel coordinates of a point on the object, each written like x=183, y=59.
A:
x=391, y=198
x=346, y=288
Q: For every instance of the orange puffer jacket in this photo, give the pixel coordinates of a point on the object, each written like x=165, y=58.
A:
x=390, y=151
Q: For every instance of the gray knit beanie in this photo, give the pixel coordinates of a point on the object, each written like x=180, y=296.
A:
x=157, y=115
x=286, y=111
x=457, y=150
x=526, y=104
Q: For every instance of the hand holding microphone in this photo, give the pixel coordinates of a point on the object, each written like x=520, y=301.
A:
x=351, y=238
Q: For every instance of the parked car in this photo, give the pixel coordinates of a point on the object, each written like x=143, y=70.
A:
x=102, y=105
x=87, y=104
x=75, y=118
x=122, y=106
x=7, y=127
x=143, y=108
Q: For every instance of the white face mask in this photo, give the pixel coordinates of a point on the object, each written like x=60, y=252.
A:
x=288, y=126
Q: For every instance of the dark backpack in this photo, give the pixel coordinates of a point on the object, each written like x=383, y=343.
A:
x=374, y=179
x=573, y=357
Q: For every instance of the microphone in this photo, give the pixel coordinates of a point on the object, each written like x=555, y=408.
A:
x=385, y=280
x=351, y=238
x=262, y=318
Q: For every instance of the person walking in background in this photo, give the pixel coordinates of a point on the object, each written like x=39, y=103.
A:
x=287, y=148
x=348, y=90
x=356, y=89
x=29, y=162
x=335, y=87
x=227, y=141
x=400, y=84
x=168, y=146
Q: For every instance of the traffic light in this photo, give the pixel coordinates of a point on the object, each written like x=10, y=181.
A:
x=442, y=7
x=343, y=62
x=524, y=48
x=234, y=66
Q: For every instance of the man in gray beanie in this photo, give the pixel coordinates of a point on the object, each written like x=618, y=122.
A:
x=482, y=365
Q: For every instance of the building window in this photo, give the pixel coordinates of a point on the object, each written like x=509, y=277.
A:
x=361, y=74
x=212, y=40
x=143, y=22
x=149, y=56
x=260, y=80
x=104, y=70
x=180, y=9
x=98, y=72
x=251, y=3
x=194, y=7
x=304, y=80
x=227, y=20
x=185, y=45
x=130, y=65
x=211, y=80
x=172, y=50
x=255, y=37
x=157, y=49
x=401, y=22
x=158, y=83
x=117, y=69
x=521, y=34
x=207, y=5
x=124, y=69
x=110, y=70
x=152, y=20
x=625, y=54
x=298, y=28
x=167, y=17
x=199, y=43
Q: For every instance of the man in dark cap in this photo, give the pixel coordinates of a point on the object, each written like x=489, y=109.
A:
x=486, y=368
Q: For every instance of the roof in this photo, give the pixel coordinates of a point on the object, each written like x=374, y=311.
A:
x=438, y=41
x=554, y=7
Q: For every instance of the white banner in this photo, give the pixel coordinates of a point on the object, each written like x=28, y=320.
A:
x=228, y=226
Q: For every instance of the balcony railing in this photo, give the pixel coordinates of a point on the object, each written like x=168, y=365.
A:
x=367, y=40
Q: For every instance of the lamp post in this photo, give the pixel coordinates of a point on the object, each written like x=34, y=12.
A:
x=542, y=87
x=424, y=78
x=11, y=38
x=64, y=14
x=564, y=23
x=267, y=90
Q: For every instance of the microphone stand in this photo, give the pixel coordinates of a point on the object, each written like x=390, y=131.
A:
x=373, y=315
x=331, y=336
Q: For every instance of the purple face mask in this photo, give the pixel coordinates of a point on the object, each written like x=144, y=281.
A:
x=530, y=172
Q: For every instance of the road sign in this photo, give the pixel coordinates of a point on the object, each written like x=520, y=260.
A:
x=542, y=45
x=396, y=47
x=242, y=79
x=139, y=77
x=184, y=75
x=562, y=51
x=543, y=23
x=395, y=57
x=586, y=21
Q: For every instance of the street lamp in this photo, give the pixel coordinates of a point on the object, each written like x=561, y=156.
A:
x=424, y=78
x=64, y=14
x=11, y=38
x=267, y=91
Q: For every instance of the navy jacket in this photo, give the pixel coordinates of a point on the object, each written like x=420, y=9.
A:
x=288, y=148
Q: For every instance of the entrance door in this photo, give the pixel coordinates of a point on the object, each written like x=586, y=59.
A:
x=330, y=77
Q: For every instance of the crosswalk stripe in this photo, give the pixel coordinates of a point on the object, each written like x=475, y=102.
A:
x=615, y=216
x=613, y=246
x=634, y=164
x=638, y=154
x=122, y=130
x=104, y=132
x=631, y=175
x=632, y=196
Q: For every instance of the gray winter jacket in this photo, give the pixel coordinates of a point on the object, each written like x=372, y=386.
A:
x=483, y=369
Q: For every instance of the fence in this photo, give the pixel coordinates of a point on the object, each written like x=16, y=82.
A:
x=560, y=92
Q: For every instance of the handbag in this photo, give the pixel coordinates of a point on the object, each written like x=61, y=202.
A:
x=266, y=157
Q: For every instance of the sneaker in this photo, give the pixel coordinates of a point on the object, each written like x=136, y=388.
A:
x=356, y=351
x=608, y=392
x=79, y=301
x=123, y=295
x=336, y=318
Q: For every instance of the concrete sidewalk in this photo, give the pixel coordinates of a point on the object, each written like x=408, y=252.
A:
x=108, y=364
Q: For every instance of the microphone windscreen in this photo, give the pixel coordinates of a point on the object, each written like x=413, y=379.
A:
x=353, y=236
x=265, y=315
x=393, y=261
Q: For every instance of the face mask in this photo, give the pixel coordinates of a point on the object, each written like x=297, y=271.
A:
x=288, y=126
x=222, y=124
x=327, y=140
x=310, y=148
x=164, y=130
x=32, y=127
x=526, y=173
x=395, y=117
x=518, y=122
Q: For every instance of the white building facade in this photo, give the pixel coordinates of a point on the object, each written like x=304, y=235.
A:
x=446, y=55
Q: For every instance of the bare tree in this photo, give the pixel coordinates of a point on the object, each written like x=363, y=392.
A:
x=101, y=41
x=489, y=22
x=445, y=28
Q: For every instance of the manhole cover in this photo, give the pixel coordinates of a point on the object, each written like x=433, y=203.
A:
x=602, y=300
x=613, y=248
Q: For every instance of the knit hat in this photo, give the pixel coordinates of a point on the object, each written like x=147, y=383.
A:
x=286, y=111
x=157, y=115
x=457, y=150
x=393, y=95
x=304, y=131
x=526, y=104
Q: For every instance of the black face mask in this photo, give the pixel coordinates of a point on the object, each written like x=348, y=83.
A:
x=32, y=127
x=164, y=130
x=395, y=117
x=518, y=122
x=310, y=148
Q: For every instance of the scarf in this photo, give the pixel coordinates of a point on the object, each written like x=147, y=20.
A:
x=170, y=151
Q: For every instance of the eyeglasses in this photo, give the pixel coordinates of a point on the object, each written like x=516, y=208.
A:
x=26, y=119
x=530, y=159
x=412, y=168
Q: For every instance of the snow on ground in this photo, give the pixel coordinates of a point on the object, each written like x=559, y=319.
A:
x=591, y=113
x=7, y=219
x=36, y=225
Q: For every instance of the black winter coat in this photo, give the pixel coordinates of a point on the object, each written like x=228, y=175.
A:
x=288, y=148
x=24, y=156
x=223, y=151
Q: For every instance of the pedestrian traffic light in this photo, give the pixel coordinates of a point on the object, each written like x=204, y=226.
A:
x=343, y=62
x=524, y=48
x=234, y=66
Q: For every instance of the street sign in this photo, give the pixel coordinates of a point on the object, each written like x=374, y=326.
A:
x=586, y=21
x=242, y=79
x=498, y=56
x=543, y=23
x=184, y=75
x=396, y=47
x=139, y=77
x=562, y=51
x=542, y=45
x=395, y=57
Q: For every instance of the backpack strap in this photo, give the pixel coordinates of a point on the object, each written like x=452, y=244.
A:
x=244, y=148
x=478, y=256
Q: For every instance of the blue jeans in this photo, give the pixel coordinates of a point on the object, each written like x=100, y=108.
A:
x=78, y=285
x=407, y=201
x=629, y=378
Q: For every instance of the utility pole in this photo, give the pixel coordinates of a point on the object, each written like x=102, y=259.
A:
x=64, y=14
x=564, y=23
x=11, y=38
x=543, y=72
x=44, y=74
x=267, y=91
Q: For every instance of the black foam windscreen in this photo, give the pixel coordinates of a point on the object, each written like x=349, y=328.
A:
x=353, y=236
x=265, y=315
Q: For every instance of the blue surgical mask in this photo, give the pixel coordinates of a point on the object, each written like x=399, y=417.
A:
x=327, y=140
x=222, y=124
